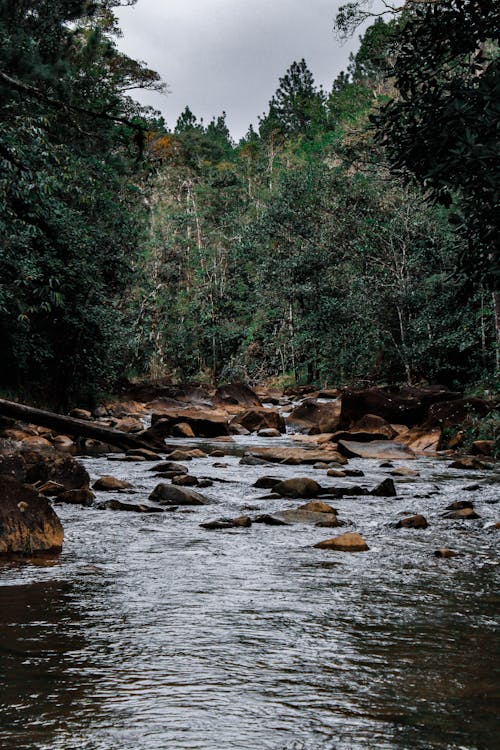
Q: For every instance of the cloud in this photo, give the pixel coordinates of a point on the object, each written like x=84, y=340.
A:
x=229, y=54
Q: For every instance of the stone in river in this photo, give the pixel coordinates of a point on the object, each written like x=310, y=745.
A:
x=130, y=507
x=412, y=522
x=180, y=456
x=445, y=552
x=465, y=514
x=110, y=484
x=228, y=523
x=336, y=473
x=170, y=466
x=28, y=523
x=307, y=516
x=267, y=483
x=350, y=542
x=295, y=456
x=298, y=487
x=269, y=432
x=460, y=505
x=270, y=520
x=171, y=494
x=470, y=462
x=182, y=430
x=381, y=449
x=404, y=472
x=145, y=453
x=253, y=461
x=385, y=489
x=317, y=506
x=77, y=497
x=185, y=480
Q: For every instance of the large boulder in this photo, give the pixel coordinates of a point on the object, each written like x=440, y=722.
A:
x=203, y=422
x=110, y=484
x=350, y=542
x=385, y=450
x=28, y=524
x=453, y=413
x=171, y=494
x=236, y=394
x=370, y=427
x=312, y=417
x=295, y=456
x=41, y=466
x=393, y=408
x=257, y=419
x=298, y=487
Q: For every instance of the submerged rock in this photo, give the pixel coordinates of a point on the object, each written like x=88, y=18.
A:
x=28, y=523
x=445, y=552
x=298, y=487
x=228, y=523
x=350, y=542
x=412, y=522
x=171, y=494
x=130, y=507
x=110, y=484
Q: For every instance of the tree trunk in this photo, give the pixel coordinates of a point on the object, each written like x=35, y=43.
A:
x=78, y=427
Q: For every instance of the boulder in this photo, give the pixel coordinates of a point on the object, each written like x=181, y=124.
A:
x=350, y=542
x=170, y=466
x=28, y=523
x=179, y=455
x=203, y=422
x=236, y=394
x=422, y=440
x=445, y=552
x=50, y=489
x=392, y=407
x=185, y=480
x=269, y=432
x=385, y=489
x=454, y=413
x=182, y=430
x=144, y=453
x=297, y=487
x=81, y=414
x=253, y=461
x=64, y=443
x=130, y=507
x=465, y=514
x=35, y=466
x=110, y=484
x=77, y=497
x=228, y=523
x=412, y=522
x=307, y=516
x=380, y=449
x=317, y=506
x=469, y=463
x=460, y=505
x=404, y=471
x=312, y=417
x=369, y=428
x=267, y=483
x=171, y=494
x=269, y=520
x=336, y=473
x=295, y=456
x=256, y=419
x=128, y=424
x=483, y=447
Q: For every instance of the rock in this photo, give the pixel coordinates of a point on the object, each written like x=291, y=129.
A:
x=471, y=488
x=412, y=522
x=468, y=463
x=220, y=466
x=269, y=432
x=228, y=523
x=253, y=461
x=208, y=423
x=180, y=456
x=320, y=466
x=77, y=497
x=51, y=489
x=81, y=414
x=42, y=466
x=445, y=552
x=236, y=394
x=171, y=494
x=354, y=473
x=422, y=439
x=28, y=523
x=455, y=412
x=170, y=466
x=404, y=472
x=217, y=454
x=131, y=507
x=260, y=419
x=385, y=489
x=317, y=506
x=336, y=473
x=128, y=424
x=267, y=483
x=143, y=453
x=312, y=417
x=297, y=487
x=350, y=542
x=110, y=484
x=331, y=393
x=392, y=407
x=298, y=455
x=63, y=443
x=182, y=430
x=459, y=505
x=376, y=449
x=307, y=516
x=269, y=520
x=386, y=465
x=237, y=429
x=36, y=442
x=185, y=480
x=205, y=482
x=465, y=514
x=483, y=447
x=368, y=428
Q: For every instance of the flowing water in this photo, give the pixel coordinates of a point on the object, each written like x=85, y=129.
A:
x=150, y=633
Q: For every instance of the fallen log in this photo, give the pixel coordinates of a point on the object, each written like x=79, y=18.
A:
x=79, y=427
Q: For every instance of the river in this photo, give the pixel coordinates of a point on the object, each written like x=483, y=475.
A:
x=149, y=632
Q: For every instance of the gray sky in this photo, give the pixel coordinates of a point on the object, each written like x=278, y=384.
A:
x=228, y=55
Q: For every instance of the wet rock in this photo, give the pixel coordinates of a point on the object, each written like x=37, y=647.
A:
x=483, y=447
x=470, y=462
x=329, y=524
x=312, y=417
x=386, y=465
x=238, y=429
x=185, y=480
x=205, y=482
x=445, y=552
x=260, y=419
x=267, y=483
x=471, y=488
x=336, y=473
x=180, y=456
x=236, y=394
x=110, y=484
x=170, y=466
x=455, y=412
x=269, y=520
x=307, y=516
x=28, y=523
x=385, y=449
x=208, y=423
x=320, y=466
x=354, y=473
x=269, y=432
x=412, y=522
x=63, y=443
x=182, y=430
x=298, y=487
x=385, y=489
x=296, y=456
x=392, y=407
x=51, y=489
x=147, y=455
x=217, y=454
x=42, y=466
x=460, y=505
x=171, y=494
x=81, y=414
x=128, y=424
x=350, y=542
x=253, y=461
x=403, y=471
x=127, y=459
x=228, y=523
x=466, y=514
x=130, y=507
x=77, y=497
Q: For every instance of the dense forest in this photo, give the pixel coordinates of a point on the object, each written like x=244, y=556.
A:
x=349, y=237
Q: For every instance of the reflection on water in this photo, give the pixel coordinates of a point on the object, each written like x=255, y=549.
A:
x=154, y=634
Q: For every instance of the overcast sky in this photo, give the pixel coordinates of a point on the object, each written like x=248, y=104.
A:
x=228, y=55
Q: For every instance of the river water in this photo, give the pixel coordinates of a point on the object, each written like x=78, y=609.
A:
x=151, y=633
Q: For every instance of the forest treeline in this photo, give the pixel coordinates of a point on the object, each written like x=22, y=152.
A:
x=350, y=236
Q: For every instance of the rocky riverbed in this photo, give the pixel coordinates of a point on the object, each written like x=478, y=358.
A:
x=155, y=628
